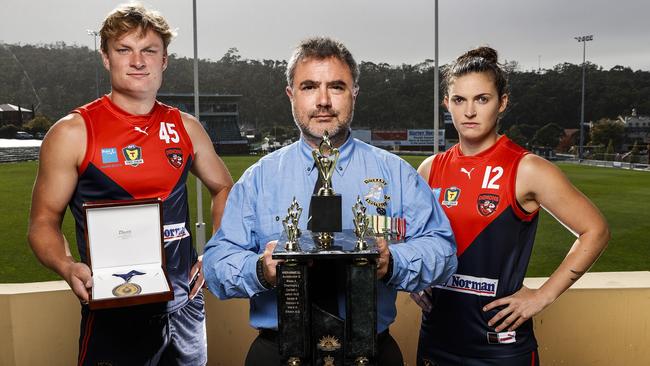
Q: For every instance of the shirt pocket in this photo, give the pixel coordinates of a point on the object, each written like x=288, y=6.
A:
x=270, y=227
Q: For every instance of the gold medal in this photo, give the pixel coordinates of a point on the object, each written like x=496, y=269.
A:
x=127, y=289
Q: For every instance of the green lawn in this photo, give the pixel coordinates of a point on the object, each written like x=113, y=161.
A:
x=622, y=195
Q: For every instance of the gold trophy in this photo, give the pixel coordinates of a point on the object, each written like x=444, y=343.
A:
x=325, y=206
x=290, y=224
x=326, y=157
x=310, y=330
x=361, y=224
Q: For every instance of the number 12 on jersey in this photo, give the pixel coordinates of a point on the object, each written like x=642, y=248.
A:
x=491, y=176
x=168, y=132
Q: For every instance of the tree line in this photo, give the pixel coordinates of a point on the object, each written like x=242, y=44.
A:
x=391, y=96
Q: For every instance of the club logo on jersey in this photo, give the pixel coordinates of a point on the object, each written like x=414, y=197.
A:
x=132, y=155
x=376, y=195
x=471, y=285
x=451, y=197
x=487, y=203
x=173, y=232
x=502, y=337
x=174, y=156
x=109, y=155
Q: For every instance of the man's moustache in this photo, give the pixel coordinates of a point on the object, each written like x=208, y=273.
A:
x=330, y=112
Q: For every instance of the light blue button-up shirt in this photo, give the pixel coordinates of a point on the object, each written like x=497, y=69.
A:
x=259, y=200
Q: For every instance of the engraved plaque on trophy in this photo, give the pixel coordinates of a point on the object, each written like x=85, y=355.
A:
x=327, y=282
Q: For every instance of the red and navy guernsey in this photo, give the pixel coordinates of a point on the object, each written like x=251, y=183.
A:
x=494, y=238
x=132, y=157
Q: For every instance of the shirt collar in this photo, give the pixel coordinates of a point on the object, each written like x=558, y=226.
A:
x=345, y=155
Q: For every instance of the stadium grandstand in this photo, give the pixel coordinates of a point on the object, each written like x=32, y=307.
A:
x=219, y=114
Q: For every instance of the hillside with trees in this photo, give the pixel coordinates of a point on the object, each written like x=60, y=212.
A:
x=391, y=96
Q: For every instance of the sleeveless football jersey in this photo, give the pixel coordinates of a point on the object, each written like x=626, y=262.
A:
x=133, y=157
x=494, y=237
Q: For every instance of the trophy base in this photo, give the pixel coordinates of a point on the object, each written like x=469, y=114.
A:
x=310, y=283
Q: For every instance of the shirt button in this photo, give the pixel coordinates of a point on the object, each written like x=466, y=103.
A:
x=340, y=168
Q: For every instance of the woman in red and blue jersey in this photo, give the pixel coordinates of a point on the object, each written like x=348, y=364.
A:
x=491, y=189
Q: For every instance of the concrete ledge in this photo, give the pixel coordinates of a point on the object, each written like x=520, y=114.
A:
x=603, y=320
x=602, y=280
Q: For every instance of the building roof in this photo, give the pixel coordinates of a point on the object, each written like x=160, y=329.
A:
x=12, y=108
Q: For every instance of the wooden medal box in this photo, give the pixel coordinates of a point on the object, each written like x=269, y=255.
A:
x=125, y=237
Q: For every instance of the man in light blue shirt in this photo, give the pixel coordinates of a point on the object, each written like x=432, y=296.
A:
x=322, y=86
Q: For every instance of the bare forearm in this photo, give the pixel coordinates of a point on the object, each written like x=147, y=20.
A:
x=584, y=252
x=50, y=247
x=218, y=206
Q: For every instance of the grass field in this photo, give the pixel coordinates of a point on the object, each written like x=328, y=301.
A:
x=623, y=196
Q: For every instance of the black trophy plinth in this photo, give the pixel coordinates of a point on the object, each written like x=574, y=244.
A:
x=325, y=214
x=312, y=284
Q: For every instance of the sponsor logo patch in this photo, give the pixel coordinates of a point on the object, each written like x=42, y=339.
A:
x=487, y=203
x=376, y=195
x=471, y=285
x=502, y=337
x=174, y=156
x=451, y=197
x=132, y=155
x=109, y=155
x=175, y=232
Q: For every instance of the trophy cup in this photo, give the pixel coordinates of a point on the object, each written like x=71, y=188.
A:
x=321, y=266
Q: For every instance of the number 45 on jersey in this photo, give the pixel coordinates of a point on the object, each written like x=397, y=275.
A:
x=168, y=132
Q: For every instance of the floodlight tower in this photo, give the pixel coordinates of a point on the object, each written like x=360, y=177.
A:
x=584, y=40
x=95, y=34
x=436, y=86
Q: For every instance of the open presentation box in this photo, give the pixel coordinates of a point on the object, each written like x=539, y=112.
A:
x=125, y=251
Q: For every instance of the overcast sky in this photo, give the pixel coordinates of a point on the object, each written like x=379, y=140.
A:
x=392, y=31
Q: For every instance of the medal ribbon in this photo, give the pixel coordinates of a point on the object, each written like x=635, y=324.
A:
x=127, y=276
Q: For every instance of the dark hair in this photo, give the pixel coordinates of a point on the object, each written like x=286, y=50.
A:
x=321, y=48
x=481, y=59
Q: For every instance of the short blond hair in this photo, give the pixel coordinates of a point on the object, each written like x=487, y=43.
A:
x=128, y=17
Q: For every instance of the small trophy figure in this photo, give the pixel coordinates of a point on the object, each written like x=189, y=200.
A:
x=290, y=223
x=326, y=157
x=361, y=224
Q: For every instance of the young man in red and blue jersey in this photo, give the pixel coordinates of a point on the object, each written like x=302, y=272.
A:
x=127, y=145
